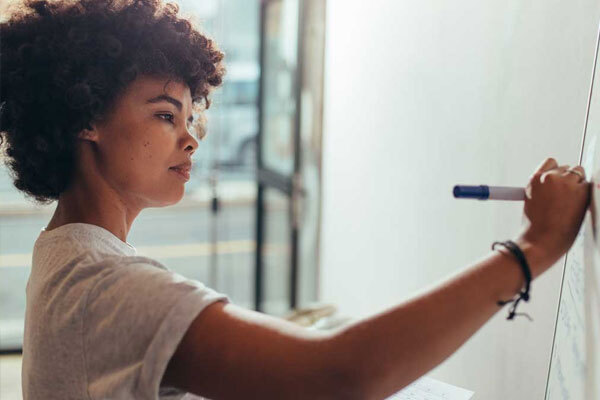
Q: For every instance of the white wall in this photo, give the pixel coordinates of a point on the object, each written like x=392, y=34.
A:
x=422, y=95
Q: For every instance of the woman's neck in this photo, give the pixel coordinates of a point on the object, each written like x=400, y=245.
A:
x=102, y=209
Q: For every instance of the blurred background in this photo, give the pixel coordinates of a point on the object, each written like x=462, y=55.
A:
x=333, y=146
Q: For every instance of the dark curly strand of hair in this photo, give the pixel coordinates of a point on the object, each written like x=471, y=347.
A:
x=63, y=64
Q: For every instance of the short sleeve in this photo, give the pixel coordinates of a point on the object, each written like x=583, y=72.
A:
x=135, y=317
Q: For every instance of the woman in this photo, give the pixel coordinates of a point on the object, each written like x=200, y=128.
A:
x=101, y=103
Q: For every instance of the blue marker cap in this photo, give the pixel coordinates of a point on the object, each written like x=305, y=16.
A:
x=480, y=192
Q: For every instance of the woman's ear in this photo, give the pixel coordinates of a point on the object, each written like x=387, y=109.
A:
x=90, y=133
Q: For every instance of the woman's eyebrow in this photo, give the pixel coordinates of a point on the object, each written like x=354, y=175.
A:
x=168, y=99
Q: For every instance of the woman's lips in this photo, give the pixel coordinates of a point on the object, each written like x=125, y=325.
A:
x=182, y=172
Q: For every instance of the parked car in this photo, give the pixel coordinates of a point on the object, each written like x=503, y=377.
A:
x=232, y=119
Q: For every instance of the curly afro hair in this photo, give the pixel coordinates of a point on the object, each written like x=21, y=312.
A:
x=63, y=64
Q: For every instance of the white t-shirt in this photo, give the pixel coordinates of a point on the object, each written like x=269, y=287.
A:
x=102, y=322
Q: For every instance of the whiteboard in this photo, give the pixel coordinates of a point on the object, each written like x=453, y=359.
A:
x=574, y=372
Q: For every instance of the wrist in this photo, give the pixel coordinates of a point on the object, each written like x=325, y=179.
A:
x=538, y=257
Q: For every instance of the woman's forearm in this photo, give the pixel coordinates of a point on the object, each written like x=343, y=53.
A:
x=387, y=351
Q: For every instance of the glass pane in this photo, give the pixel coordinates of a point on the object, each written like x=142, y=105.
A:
x=226, y=158
x=276, y=253
x=232, y=119
x=19, y=227
x=310, y=139
x=279, y=95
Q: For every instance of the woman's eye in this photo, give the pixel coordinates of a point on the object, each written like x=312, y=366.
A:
x=170, y=117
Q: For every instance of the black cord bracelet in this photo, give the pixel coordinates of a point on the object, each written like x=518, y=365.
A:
x=524, y=294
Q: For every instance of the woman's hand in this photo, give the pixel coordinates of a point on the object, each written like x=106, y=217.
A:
x=555, y=205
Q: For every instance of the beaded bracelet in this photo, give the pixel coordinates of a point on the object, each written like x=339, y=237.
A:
x=524, y=294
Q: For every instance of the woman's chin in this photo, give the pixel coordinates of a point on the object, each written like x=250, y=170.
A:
x=173, y=198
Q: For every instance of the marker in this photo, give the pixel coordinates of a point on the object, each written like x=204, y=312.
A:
x=484, y=192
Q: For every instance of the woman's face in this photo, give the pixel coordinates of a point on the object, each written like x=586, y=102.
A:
x=148, y=131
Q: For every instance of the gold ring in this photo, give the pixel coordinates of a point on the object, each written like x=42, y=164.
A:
x=578, y=173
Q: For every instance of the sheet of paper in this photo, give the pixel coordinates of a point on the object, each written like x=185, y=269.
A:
x=427, y=388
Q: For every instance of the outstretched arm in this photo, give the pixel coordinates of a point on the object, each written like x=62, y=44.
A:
x=230, y=352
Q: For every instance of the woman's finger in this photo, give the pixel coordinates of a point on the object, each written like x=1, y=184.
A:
x=559, y=170
x=546, y=165
x=576, y=173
